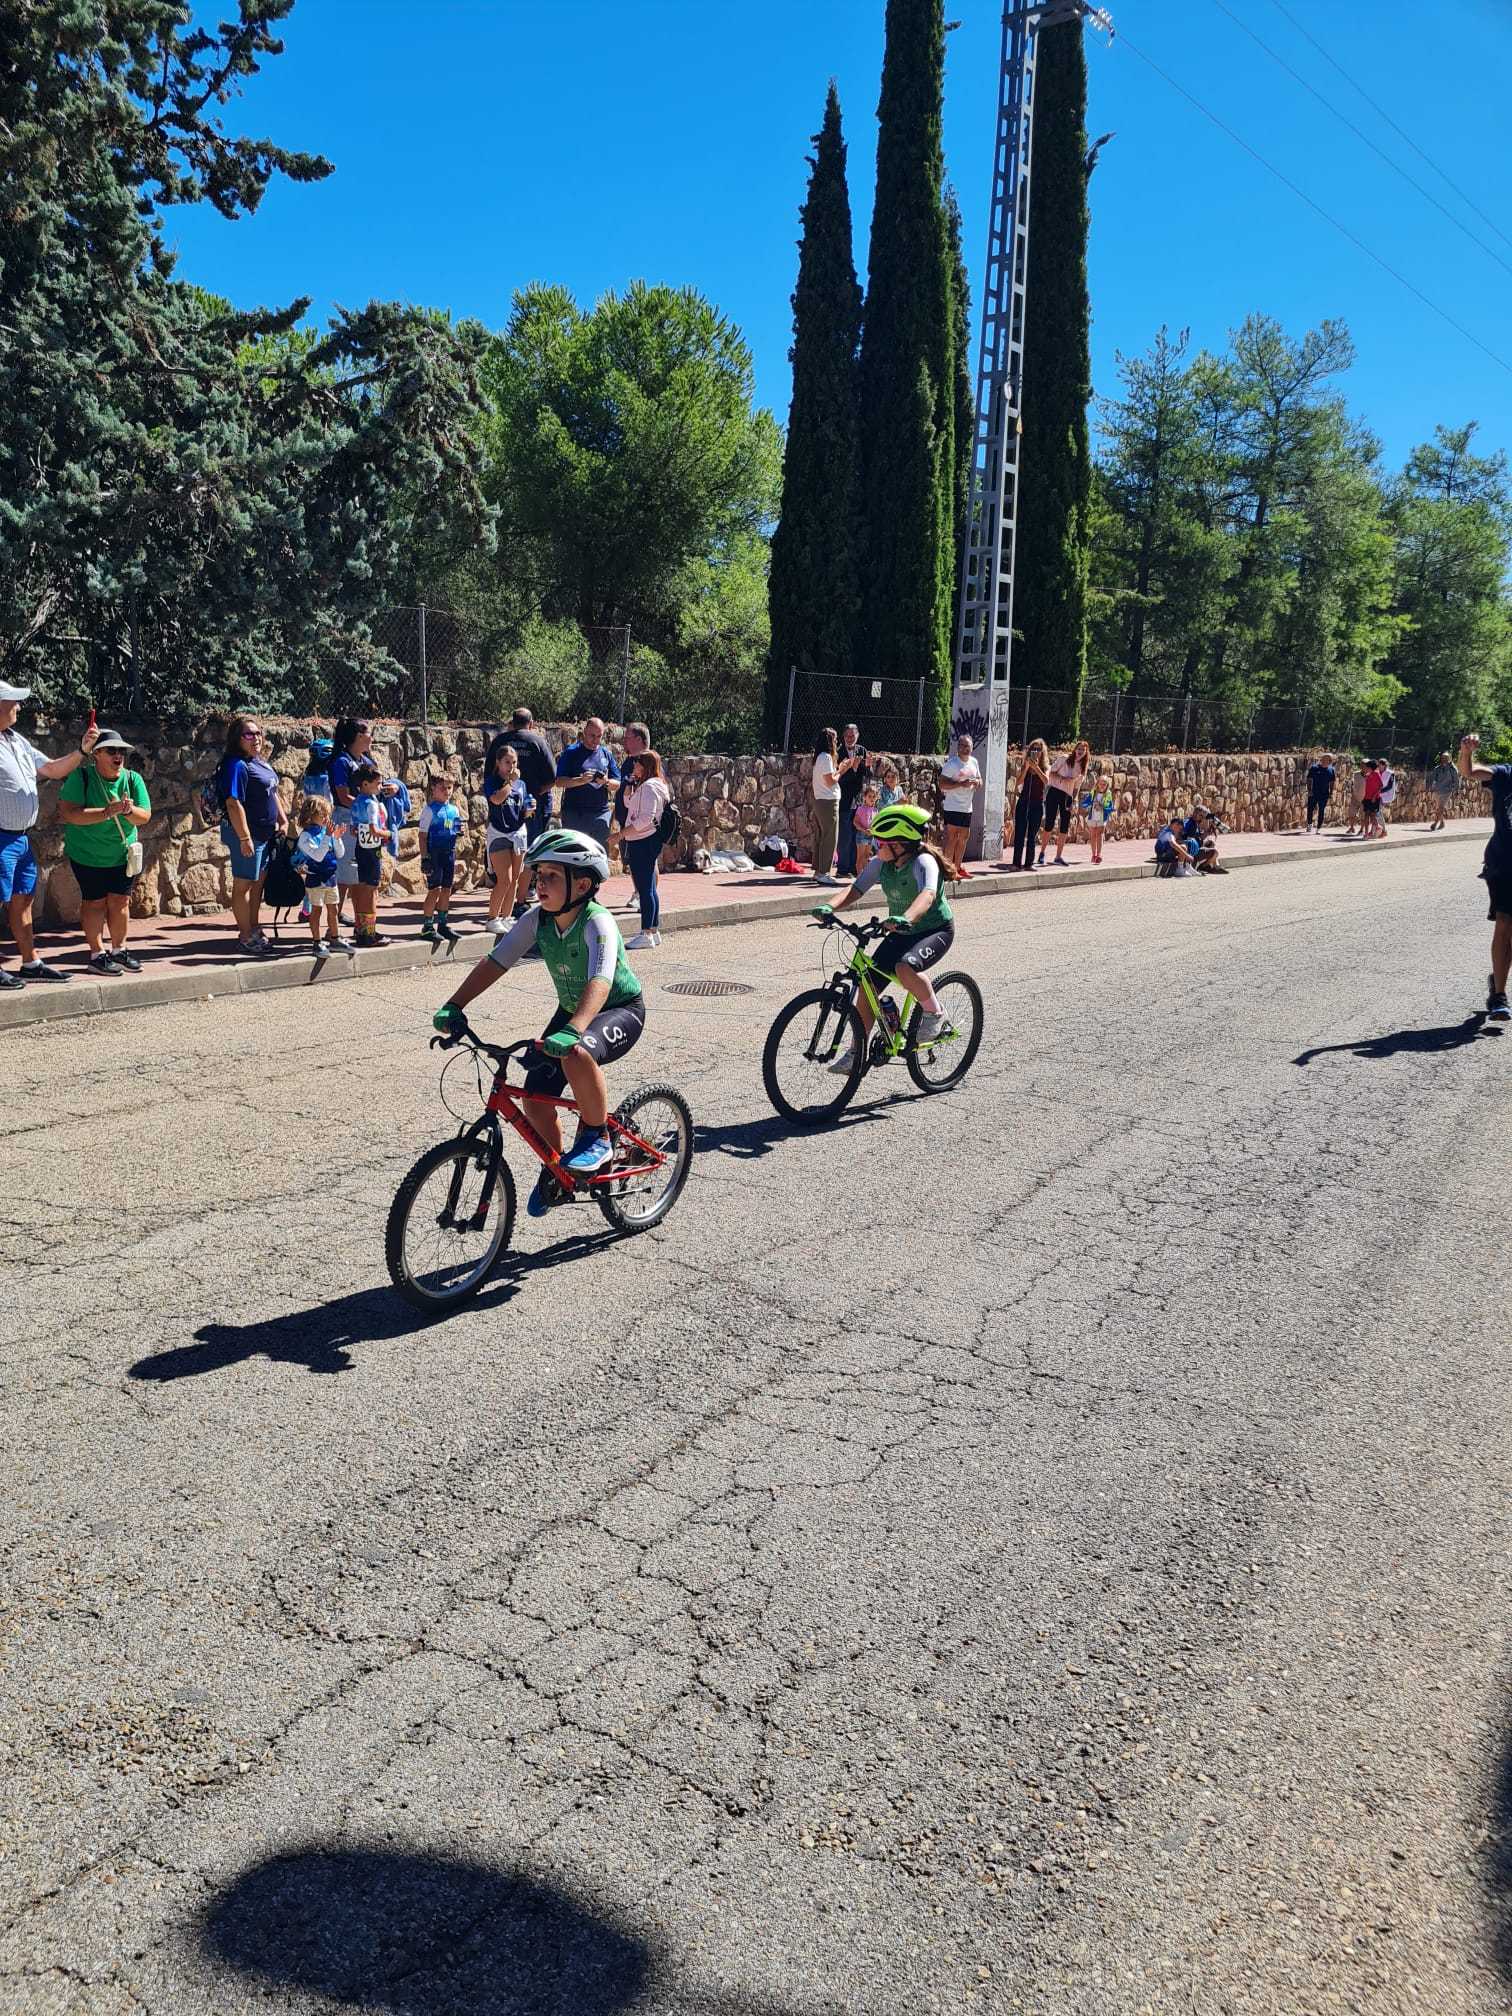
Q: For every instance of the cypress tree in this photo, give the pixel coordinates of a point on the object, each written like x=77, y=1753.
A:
x=814, y=589
x=965, y=394
x=1055, y=493
x=908, y=343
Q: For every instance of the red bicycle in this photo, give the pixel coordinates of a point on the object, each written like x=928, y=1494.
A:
x=453, y=1215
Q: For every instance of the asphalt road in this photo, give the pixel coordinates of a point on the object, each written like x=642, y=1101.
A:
x=1043, y=1547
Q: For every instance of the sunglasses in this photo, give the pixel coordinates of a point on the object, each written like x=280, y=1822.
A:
x=110, y=755
x=251, y=735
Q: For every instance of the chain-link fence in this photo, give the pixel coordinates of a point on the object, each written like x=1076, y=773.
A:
x=1117, y=722
x=890, y=713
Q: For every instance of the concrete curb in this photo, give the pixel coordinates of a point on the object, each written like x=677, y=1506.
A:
x=150, y=990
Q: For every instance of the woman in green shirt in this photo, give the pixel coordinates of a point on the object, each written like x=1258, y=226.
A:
x=102, y=806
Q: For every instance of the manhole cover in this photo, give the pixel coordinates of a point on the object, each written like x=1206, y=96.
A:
x=709, y=987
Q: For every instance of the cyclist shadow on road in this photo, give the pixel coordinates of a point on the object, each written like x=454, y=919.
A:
x=750, y=1139
x=322, y=1338
x=420, y=1934
x=1409, y=1042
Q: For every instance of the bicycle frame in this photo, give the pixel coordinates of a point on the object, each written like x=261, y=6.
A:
x=504, y=1102
x=856, y=977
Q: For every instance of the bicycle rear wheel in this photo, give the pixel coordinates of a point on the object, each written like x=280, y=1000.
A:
x=806, y=1041
x=944, y=1062
x=660, y=1115
x=438, y=1257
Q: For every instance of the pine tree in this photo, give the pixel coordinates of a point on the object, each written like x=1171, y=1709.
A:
x=814, y=592
x=1051, y=559
x=908, y=374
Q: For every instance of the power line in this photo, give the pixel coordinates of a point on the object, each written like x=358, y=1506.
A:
x=1344, y=231
x=1360, y=134
x=1381, y=113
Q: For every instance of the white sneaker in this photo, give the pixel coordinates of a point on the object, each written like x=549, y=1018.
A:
x=656, y=937
x=498, y=926
x=844, y=1064
x=928, y=1027
x=643, y=941
x=825, y=882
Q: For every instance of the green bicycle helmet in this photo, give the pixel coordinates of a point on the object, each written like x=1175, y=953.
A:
x=578, y=853
x=908, y=823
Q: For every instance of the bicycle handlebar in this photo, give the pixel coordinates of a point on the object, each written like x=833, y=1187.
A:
x=501, y=1053
x=871, y=927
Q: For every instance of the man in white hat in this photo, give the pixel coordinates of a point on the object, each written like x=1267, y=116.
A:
x=21, y=764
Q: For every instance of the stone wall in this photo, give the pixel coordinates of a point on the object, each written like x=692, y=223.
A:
x=726, y=801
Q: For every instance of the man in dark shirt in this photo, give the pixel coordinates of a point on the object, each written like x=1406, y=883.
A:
x=852, y=770
x=1320, y=783
x=586, y=770
x=537, y=765
x=637, y=742
x=1496, y=870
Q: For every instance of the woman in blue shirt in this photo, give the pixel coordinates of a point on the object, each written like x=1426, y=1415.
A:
x=250, y=816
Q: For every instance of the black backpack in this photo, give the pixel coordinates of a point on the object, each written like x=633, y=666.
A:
x=283, y=886
x=671, y=825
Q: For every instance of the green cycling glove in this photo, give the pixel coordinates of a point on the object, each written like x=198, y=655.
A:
x=823, y=911
x=560, y=1042
x=448, y=1018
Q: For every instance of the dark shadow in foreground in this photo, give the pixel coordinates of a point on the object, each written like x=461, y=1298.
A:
x=1498, y=1860
x=1409, y=1042
x=322, y=1338
x=430, y=1935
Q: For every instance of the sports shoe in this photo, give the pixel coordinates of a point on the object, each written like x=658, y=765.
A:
x=929, y=1028
x=340, y=944
x=643, y=941
x=498, y=926
x=127, y=959
x=445, y=931
x=10, y=982
x=1496, y=1002
x=37, y=970
x=545, y=1196
x=826, y=882
x=590, y=1155
x=101, y=962
x=428, y=931
x=844, y=1064
x=366, y=941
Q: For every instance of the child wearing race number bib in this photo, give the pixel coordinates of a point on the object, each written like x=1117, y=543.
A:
x=600, y=1008
x=912, y=876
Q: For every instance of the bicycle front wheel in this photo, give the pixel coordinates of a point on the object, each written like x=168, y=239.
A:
x=803, y=1062
x=936, y=1066
x=659, y=1115
x=443, y=1240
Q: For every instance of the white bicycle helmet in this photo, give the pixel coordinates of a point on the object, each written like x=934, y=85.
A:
x=578, y=853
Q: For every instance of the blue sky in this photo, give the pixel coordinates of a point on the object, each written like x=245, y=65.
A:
x=482, y=144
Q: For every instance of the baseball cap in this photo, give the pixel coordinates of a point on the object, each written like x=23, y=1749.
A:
x=14, y=692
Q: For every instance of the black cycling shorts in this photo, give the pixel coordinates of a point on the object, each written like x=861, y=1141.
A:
x=1500, y=889
x=914, y=949
x=441, y=869
x=608, y=1036
x=1057, y=807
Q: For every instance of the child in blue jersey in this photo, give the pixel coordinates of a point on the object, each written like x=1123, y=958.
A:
x=397, y=807
x=600, y=1008
x=509, y=808
x=912, y=876
x=316, y=854
x=369, y=830
x=440, y=830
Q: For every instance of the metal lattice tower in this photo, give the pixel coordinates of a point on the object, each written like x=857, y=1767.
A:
x=984, y=641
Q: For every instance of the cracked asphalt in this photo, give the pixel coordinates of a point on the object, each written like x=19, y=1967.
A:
x=1040, y=1548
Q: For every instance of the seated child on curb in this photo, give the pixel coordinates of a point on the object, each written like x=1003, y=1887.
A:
x=440, y=829
x=316, y=853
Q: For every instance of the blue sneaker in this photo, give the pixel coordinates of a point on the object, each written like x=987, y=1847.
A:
x=590, y=1155
x=546, y=1195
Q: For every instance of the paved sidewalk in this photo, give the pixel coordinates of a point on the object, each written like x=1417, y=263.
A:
x=192, y=958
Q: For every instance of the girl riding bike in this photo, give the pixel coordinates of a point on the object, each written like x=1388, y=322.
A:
x=911, y=874
x=601, y=1010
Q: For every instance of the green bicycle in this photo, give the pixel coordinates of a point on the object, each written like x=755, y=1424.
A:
x=813, y=1032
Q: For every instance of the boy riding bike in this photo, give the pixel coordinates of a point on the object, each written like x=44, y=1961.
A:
x=911, y=874
x=600, y=1013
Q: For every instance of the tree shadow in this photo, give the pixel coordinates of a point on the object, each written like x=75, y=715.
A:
x=322, y=1338
x=432, y=1935
x=1408, y=1042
